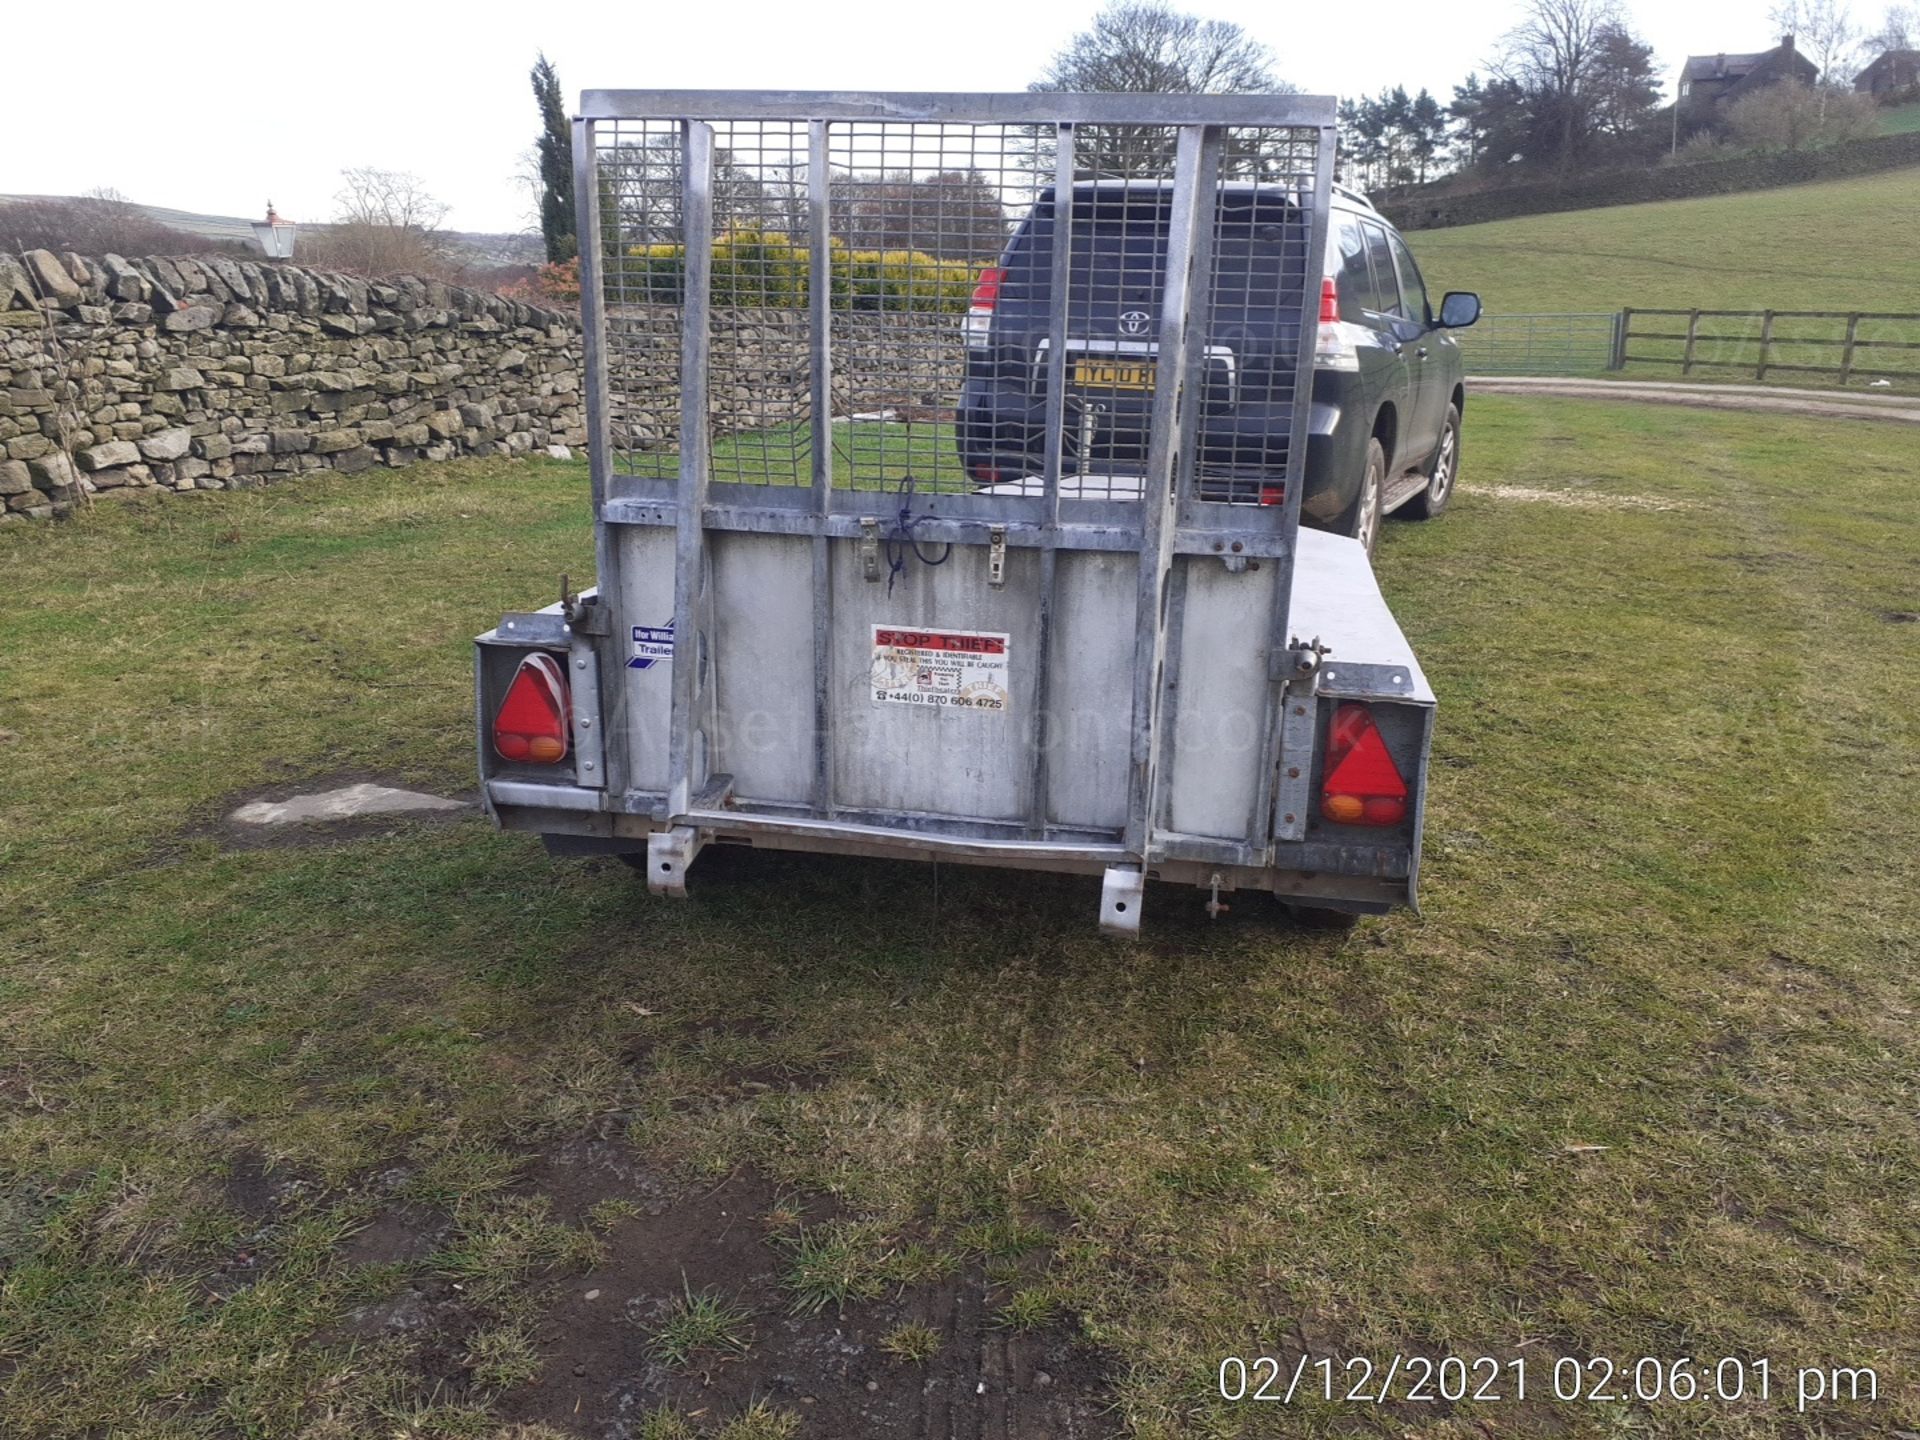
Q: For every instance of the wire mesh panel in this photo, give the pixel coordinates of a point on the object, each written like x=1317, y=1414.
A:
x=757, y=333
x=941, y=268
x=1117, y=216
x=639, y=167
x=920, y=215
x=1259, y=270
x=758, y=401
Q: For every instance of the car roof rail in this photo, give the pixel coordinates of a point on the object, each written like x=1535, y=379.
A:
x=1347, y=192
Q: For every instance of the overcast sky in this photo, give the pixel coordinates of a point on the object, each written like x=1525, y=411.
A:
x=223, y=105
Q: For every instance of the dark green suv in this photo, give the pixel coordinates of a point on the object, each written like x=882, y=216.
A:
x=1388, y=391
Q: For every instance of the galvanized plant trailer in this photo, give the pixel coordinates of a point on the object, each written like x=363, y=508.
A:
x=812, y=631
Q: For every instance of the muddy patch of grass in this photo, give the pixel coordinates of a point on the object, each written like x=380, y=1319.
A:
x=725, y=1298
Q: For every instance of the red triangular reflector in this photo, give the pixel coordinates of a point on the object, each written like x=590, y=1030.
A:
x=534, y=722
x=1365, y=769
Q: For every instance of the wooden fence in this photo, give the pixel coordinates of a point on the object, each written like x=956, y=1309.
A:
x=1845, y=344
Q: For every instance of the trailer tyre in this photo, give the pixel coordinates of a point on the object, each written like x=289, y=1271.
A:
x=1428, y=504
x=1362, y=520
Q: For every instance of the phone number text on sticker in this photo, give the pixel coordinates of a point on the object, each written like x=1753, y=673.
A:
x=939, y=669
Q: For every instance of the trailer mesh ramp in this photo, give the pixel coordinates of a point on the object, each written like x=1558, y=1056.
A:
x=946, y=465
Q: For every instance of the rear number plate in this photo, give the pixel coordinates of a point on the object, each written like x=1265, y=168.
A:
x=1113, y=374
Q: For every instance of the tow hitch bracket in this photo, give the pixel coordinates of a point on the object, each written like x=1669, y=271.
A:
x=1122, y=891
x=669, y=853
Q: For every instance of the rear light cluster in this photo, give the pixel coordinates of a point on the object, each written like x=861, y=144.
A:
x=1332, y=348
x=534, y=724
x=1363, y=786
x=986, y=295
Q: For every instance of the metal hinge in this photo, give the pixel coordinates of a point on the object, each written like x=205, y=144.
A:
x=870, y=547
x=584, y=614
x=997, y=555
x=1298, y=667
x=1298, y=662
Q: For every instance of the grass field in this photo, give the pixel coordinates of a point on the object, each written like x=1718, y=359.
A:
x=1844, y=245
x=286, y=1132
x=868, y=454
x=1900, y=119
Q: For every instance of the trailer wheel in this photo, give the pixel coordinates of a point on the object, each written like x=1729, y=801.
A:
x=1362, y=520
x=1428, y=504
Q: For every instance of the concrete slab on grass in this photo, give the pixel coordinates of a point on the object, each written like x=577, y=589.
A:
x=351, y=802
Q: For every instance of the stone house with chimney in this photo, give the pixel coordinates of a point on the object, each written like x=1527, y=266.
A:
x=1710, y=83
x=1894, y=72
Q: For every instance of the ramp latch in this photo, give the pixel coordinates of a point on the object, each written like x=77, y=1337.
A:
x=870, y=547
x=997, y=555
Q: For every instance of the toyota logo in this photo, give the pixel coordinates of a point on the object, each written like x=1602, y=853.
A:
x=1134, y=322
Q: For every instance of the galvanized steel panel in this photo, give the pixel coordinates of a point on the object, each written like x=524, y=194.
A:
x=763, y=692
x=645, y=603
x=1091, y=655
x=1220, y=741
x=926, y=759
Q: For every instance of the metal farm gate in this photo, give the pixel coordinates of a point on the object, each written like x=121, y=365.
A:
x=833, y=633
x=1547, y=344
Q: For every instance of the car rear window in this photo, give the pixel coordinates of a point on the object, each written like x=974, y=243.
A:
x=1119, y=246
x=1120, y=250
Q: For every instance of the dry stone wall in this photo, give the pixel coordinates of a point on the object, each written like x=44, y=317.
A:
x=122, y=378
x=760, y=369
x=136, y=377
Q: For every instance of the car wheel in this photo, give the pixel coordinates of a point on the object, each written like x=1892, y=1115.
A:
x=1362, y=520
x=1445, y=469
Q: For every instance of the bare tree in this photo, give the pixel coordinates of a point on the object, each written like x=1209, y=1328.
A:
x=1146, y=46
x=952, y=214
x=526, y=180
x=1556, y=55
x=1823, y=31
x=386, y=224
x=640, y=200
x=1791, y=116
x=390, y=199
x=1899, y=30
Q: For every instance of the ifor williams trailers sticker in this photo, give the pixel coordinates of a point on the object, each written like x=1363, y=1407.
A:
x=652, y=644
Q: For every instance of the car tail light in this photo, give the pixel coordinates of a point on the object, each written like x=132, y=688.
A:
x=987, y=474
x=1273, y=494
x=1362, y=786
x=1333, y=349
x=535, y=721
x=986, y=295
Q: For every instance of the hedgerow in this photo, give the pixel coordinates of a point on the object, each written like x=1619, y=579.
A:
x=754, y=270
